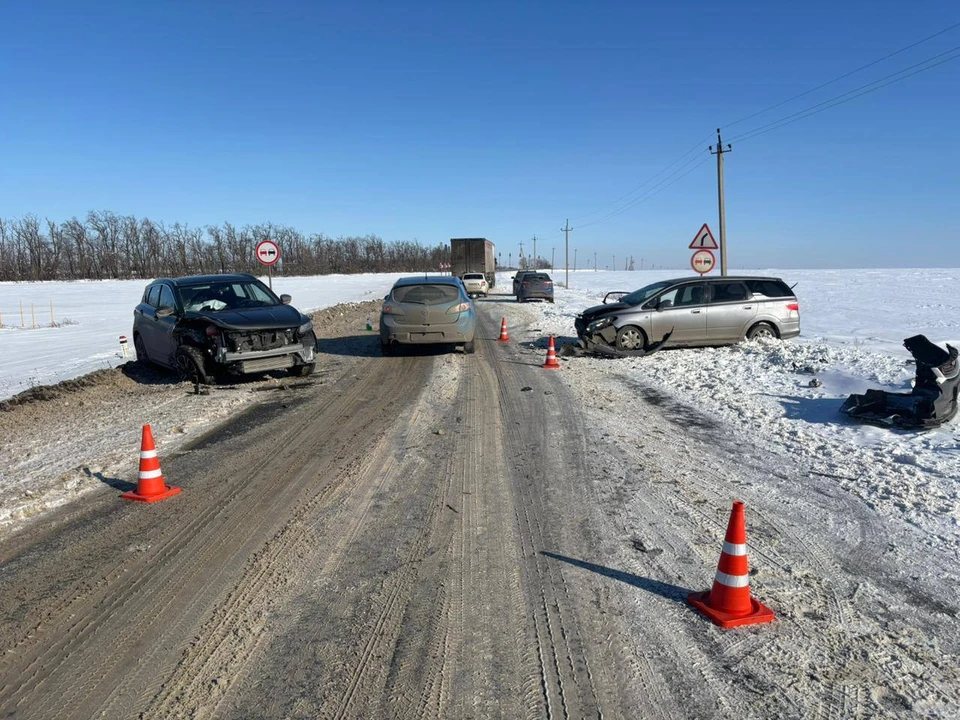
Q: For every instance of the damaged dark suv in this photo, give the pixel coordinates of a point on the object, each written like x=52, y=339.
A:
x=211, y=325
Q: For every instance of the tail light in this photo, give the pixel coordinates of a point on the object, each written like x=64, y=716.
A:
x=454, y=309
x=392, y=310
x=793, y=306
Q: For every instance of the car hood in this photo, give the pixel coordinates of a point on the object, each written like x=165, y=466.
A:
x=277, y=317
x=598, y=310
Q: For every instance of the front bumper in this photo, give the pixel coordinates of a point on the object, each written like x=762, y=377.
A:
x=273, y=359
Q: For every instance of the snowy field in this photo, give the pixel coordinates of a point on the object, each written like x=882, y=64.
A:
x=853, y=325
x=845, y=310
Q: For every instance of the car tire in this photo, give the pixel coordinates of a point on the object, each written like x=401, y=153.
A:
x=762, y=330
x=470, y=347
x=630, y=337
x=303, y=370
x=191, y=365
x=141, y=351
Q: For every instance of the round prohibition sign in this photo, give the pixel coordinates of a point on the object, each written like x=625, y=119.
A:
x=703, y=261
x=268, y=252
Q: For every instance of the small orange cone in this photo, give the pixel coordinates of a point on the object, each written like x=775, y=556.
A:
x=503, y=331
x=150, y=485
x=552, y=363
x=728, y=603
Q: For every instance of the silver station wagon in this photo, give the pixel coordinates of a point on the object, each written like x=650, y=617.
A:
x=692, y=312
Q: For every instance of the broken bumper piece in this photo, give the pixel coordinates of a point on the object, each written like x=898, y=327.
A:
x=933, y=400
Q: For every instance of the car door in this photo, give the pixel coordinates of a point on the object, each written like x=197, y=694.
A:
x=681, y=310
x=145, y=319
x=163, y=346
x=730, y=310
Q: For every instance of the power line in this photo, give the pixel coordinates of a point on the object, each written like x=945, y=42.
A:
x=841, y=77
x=645, y=182
x=662, y=185
x=842, y=98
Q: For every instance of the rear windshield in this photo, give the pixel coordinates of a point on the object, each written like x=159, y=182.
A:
x=473, y=276
x=426, y=294
x=536, y=276
x=769, y=288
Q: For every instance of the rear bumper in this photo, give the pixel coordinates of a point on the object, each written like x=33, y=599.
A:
x=428, y=337
x=459, y=332
x=789, y=329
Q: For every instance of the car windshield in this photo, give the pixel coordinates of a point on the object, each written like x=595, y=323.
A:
x=644, y=293
x=426, y=294
x=473, y=276
x=219, y=295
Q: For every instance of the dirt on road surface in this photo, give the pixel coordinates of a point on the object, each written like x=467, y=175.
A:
x=441, y=535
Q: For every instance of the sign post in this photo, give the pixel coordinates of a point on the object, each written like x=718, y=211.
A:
x=268, y=253
x=703, y=261
x=703, y=240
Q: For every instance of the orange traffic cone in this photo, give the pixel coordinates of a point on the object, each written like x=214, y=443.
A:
x=150, y=485
x=503, y=331
x=728, y=603
x=552, y=363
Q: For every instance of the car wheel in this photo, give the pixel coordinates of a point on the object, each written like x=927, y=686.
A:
x=141, y=351
x=764, y=331
x=303, y=370
x=631, y=338
x=470, y=347
x=191, y=365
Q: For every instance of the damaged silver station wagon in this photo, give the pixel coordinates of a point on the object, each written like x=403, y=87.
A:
x=688, y=312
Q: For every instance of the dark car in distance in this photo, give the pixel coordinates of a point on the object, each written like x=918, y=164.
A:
x=210, y=325
x=535, y=286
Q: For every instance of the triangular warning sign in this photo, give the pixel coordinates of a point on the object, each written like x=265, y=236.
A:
x=703, y=240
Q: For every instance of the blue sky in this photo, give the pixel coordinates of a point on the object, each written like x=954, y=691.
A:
x=434, y=120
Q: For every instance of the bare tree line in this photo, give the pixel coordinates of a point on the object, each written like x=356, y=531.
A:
x=110, y=246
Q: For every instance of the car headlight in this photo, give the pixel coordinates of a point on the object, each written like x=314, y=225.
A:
x=600, y=324
x=305, y=328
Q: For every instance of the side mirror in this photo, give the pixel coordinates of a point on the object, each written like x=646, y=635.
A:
x=664, y=304
x=617, y=294
x=285, y=299
x=165, y=312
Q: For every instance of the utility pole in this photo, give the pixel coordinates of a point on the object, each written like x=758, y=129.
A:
x=566, y=230
x=594, y=260
x=534, y=252
x=520, y=261
x=553, y=255
x=720, y=152
x=574, y=259
x=614, y=266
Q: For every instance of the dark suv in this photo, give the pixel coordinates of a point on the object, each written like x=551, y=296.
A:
x=207, y=325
